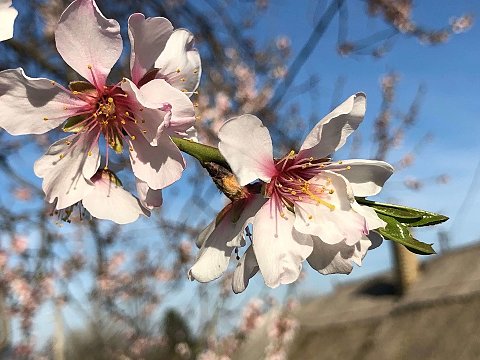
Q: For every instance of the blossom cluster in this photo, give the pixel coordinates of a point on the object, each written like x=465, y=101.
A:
x=137, y=116
x=296, y=208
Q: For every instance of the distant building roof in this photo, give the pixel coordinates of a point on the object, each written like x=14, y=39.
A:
x=438, y=318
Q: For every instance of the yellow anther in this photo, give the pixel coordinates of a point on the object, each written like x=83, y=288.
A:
x=310, y=158
x=349, y=167
x=133, y=137
x=294, y=192
x=130, y=148
x=331, y=191
x=127, y=113
x=68, y=142
x=182, y=79
x=45, y=118
x=195, y=104
x=291, y=153
x=197, y=117
x=144, y=131
x=105, y=167
x=61, y=156
x=75, y=92
x=195, y=71
x=53, y=82
x=90, y=153
x=184, y=90
x=340, y=162
x=89, y=66
x=178, y=70
x=123, y=122
x=310, y=217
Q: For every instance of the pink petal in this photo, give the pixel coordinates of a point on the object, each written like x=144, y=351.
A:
x=163, y=109
x=66, y=169
x=279, y=248
x=111, y=202
x=148, y=198
x=158, y=166
x=179, y=63
x=148, y=38
x=334, y=220
x=333, y=130
x=8, y=14
x=86, y=39
x=366, y=177
x=219, y=239
x=245, y=270
x=33, y=106
x=246, y=145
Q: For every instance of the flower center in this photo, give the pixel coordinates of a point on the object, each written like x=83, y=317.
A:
x=293, y=184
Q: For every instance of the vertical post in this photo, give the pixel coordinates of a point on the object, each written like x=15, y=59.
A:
x=4, y=324
x=406, y=268
x=59, y=335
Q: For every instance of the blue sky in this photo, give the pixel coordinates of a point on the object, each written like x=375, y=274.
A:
x=450, y=73
x=451, y=76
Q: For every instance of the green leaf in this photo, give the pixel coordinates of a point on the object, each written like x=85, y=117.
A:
x=81, y=86
x=398, y=232
x=428, y=220
x=410, y=216
x=71, y=125
x=116, y=144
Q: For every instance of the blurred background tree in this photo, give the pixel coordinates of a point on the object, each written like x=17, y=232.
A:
x=113, y=282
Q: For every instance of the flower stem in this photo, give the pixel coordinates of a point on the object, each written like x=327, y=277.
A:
x=203, y=153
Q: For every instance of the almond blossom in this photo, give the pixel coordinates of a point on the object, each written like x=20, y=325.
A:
x=8, y=14
x=138, y=115
x=306, y=209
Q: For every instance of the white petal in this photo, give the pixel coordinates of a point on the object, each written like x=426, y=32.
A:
x=332, y=131
x=371, y=217
x=111, y=202
x=279, y=248
x=26, y=102
x=148, y=38
x=205, y=233
x=179, y=63
x=331, y=258
x=66, y=169
x=245, y=270
x=365, y=176
x=221, y=237
x=8, y=15
x=337, y=258
x=246, y=145
x=149, y=198
x=159, y=166
x=331, y=217
x=361, y=249
x=90, y=43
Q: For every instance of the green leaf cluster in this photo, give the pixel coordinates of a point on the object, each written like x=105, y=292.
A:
x=399, y=219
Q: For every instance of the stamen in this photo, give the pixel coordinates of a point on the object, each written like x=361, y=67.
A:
x=93, y=77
